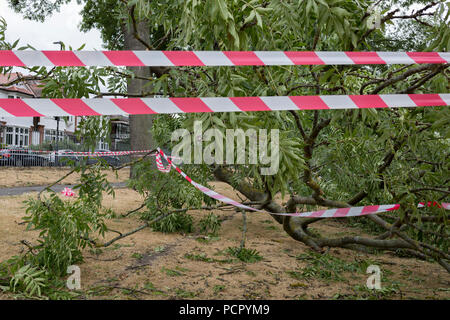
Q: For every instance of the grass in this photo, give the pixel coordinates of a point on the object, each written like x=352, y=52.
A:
x=204, y=258
x=171, y=272
x=327, y=267
x=160, y=249
x=182, y=269
x=181, y=293
x=137, y=255
x=198, y=257
x=218, y=288
x=406, y=272
x=298, y=285
x=244, y=254
x=208, y=239
x=364, y=293
x=151, y=287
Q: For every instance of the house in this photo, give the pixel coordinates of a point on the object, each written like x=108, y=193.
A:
x=26, y=131
x=120, y=133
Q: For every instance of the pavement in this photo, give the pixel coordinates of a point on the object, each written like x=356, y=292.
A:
x=14, y=191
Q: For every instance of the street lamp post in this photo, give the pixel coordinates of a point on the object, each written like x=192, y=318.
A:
x=57, y=141
x=61, y=47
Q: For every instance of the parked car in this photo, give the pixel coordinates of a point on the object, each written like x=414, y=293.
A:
x=4, y=157
x=20, y=157
x=63, y=157
x=111, y=160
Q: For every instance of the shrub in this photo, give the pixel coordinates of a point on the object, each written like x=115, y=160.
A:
x=245, y=255
x=176, y=222
x=64, y=228
x=210, y=224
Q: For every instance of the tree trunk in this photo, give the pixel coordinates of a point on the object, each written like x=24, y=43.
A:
x=140, y=125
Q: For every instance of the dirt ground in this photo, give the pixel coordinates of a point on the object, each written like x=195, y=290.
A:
x=153, y=265
x=24, y=177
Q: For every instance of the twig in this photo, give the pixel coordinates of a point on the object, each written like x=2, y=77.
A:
x=145, y=225
x=28, y=245
x=134, y=210
x=112, y=259
x=54, y=183
x=244, y=230
x=135, y=31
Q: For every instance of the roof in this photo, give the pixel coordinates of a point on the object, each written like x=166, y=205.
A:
x=119, y=119
x=24, y=86
x=120, y=122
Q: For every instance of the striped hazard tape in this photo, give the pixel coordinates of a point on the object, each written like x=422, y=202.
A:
x=77, y=153
x=104, y=153
x=443, y=205
x=160, y=165
x=329, y=213
x=96, y=107
x=21, y=58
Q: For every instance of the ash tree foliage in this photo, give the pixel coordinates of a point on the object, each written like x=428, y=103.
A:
x=64, y=228
x=328, y=158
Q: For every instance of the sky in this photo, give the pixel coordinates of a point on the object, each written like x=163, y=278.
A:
x=61, y=26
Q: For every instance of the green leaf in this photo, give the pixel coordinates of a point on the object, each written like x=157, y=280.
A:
x=250, y=17
x=223, y=9
x=340, y=12
x=232, y=30
x=259, y=20
x=218, y=121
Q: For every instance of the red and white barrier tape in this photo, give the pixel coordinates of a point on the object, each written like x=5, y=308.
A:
x=21, y=58
x=160, y=165
x=78, y=153
x=96, y=107
x=443, y=205
x=104, y=153
x=331, y=213
x=68, y=192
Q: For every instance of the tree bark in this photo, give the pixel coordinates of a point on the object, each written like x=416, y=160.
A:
x=140, y=125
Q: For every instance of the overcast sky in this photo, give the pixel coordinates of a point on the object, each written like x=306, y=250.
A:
x=61, y=26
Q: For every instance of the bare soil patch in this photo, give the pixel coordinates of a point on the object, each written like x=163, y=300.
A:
x=37, y=176
x=153, y=265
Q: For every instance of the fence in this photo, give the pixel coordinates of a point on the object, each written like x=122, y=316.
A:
x=61, y=158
